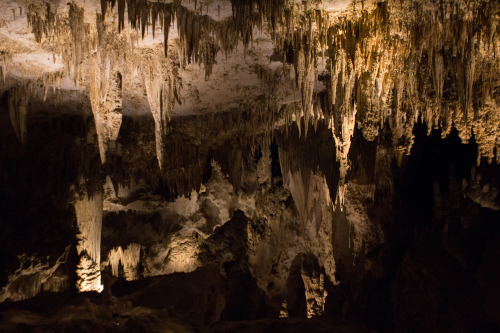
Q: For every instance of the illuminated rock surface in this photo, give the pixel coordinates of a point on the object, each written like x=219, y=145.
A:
x=222, y=164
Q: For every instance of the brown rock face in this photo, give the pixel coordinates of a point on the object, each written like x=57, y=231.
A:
x=249, y=165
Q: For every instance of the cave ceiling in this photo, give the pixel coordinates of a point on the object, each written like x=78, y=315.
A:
x=375, y=64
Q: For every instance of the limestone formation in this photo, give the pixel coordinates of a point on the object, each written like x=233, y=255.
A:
x=244, y=165
x=88, y=210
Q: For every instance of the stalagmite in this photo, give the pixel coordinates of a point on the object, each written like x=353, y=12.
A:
x=314, y=283
x=264, y=166
x=89, y=222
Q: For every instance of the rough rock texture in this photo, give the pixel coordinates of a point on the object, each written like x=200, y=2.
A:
x=34, y=275
x=217, y=165
x=88, y=211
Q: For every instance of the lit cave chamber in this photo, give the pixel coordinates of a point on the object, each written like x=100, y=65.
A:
x=249, y=166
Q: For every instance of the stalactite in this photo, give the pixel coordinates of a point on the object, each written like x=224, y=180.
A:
x=78, y=48
x=51, y=80
x=106, y=102
x=121, y=15
x=470, y=69
x=159, y=82
x=114, y=260
x=487, y=134
x=311, y=196
x=34, y=275
x=166, y=28
x=42, y=20
x=128, y=258
x=17, y=104
x=305, y=78
x=104, y=7
x=3, y=65
x=344, y=115
x=264, y=166
x=89, y=222
x=362, y=234
x=439, y=77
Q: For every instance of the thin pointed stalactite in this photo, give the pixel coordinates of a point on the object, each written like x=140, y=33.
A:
x=166, y=29
x=3, y=66
x=121, y=15
x=104, y=7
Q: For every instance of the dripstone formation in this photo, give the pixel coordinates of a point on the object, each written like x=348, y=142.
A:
x=250, y=166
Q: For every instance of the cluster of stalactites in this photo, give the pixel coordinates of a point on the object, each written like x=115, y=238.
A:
x=396, y=63
x=79, y=42
x=200, y=37
x=89, y=44
x=43, y=21
x=52, y=82
x=71, y=36
x=19, y=97
x=129, y=258
x=403, y=60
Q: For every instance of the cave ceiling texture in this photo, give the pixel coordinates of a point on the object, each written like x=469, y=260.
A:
x=250, y=166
